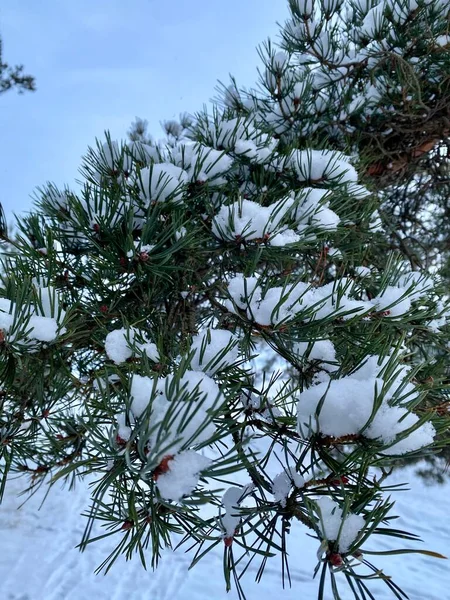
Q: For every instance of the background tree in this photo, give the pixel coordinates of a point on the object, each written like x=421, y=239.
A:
x=13, y=77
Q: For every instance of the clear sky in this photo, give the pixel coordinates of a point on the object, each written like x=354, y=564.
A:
x=99, y=63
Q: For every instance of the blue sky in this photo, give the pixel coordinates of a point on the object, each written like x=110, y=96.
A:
x=99, y=63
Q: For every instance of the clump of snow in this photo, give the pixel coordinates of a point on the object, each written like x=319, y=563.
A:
x=119, y=345
x=416, y=283
x=150, y=350
x=318, y=165
x=376, y=224
x=442, y=40
x=393, y=299
x=202, y=163
x=362, y=271
x=48, y=304
x=41, y=322
x=6, y=316
x=336, y=529
x=161, y=182
x=123, y=430
x=113, y=157
x=313, y=209
x=344, y=407
x=248, y=220
x=177, y=410
x=43, y=329
x=398, y=383
x=231, y=501
x=180, y=233
x=144, y=153
x=283, y=482
x=56, y=199
x=143, y=248
x=282, y=303
x=182, y=475
x=214, y=350
x=341, y=298
x=334, y=253
x=241, y=290
x=239, y=136
x=398, y=298
x=271, y=307
x=322, y=351
x=142, y=391
x=373, y=21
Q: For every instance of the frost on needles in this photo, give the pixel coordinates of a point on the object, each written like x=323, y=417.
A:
x=207, y=330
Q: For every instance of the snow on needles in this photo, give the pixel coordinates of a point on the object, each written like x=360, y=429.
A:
x=182, y=475
x=248, y=220
x=162, y=182
x=317, y=165
x=321, y=351
x=41, y=322
x=174, y=414
x=343, y=298
x=214, y=350
x=334, y=527
x=283, y=303
x=202, y=163
x=120, y=345
x=283, y=483
x=364, y=404
x=177, y=410
x=231, y=501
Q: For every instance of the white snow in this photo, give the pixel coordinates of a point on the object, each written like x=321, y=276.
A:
x=344, y=406
x=334, y=527
x=119, y=345
x=241, y=137
x=214, y=350
x=313, y=209
x=182, y=475
x=231, y=501
x=142, y=392
x=202, y=163
x=123, y=430
x=42, y=322
x=161, y=182
x=394, y=299
x=170, y=399
x=112, y=156
x=362, y=271
x=280, y=304
x=248, y=220
x=318, y=165
x=283, y=483
x=322, y=351
x=40, y=542
x=43, y=329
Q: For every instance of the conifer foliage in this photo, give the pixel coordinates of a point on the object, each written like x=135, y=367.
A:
x=207, y=332
x=371, y=77
x=13, y=77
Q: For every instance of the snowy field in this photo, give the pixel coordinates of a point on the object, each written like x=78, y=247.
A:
x=38, y=560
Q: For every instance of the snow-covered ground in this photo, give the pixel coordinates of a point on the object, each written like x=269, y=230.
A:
x=38, y=560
